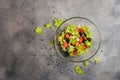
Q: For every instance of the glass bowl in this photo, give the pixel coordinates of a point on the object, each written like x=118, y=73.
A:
x=94, y=32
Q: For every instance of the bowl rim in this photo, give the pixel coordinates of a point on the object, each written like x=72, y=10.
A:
x=55, y=45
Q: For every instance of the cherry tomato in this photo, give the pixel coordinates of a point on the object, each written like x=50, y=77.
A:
x=65, y=44
x=67, y=35
x=79, y=30
x=77, y=43
x=75, y=52
x=80, y=39
x=84, y=47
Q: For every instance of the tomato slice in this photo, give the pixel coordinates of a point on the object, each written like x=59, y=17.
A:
x=67, y=35
x=77, y=43
x=84, y=47
x=79, y=30
x=65, y=44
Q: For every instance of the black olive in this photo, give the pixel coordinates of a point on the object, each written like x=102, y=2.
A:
x=80, y=34
x=67, y=40
x=83, y=41
x=71, y=44
x=84, y=34
x=66, y=54
x=89, y=39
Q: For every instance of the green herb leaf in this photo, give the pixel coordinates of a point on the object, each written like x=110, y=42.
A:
x=89, y=44
x=70, y=49
x=72, y=40
x=60, y=38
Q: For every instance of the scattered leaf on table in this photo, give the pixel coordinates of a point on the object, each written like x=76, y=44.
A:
x=51, y=43
x=96, y=60
x=38, y=30
x=78, y=70
x=48, y=25
x=57, y=22
x=86, y=62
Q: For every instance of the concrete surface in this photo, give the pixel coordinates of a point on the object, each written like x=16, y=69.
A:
x=26, y=56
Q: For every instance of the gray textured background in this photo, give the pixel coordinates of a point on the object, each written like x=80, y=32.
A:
x=26, y=56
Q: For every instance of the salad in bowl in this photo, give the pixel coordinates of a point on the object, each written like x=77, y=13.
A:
x=77, y=39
